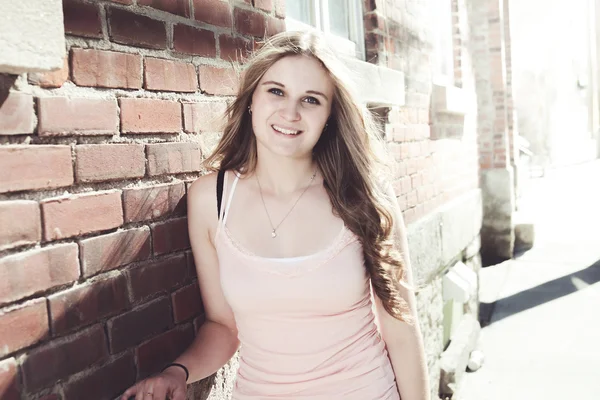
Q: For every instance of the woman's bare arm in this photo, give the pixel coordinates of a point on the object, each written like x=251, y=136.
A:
x=216, y=340
x=404, y=341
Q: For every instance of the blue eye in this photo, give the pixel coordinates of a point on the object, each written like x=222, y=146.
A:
x=312, y=100
x=275, y=91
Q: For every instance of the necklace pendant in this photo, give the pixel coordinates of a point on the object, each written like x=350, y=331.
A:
x=273, y=234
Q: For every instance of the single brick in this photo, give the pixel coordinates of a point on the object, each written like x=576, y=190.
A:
x=265, y=5
x=35, y=167
x=28, y=230
x=409, y=215
x=204, y=117
x=150, y=116
x=134, y=29
x=157, y=277
x=421, y=194
x=411, y=199
x=33, y=271
x=187, y=303
x=23, y=326
x=173, y=158
x=414, y=149
x=52, y=79
x=60, y=358
x=105, y=382
x=213, y=12
x=196, y=41
x=250, y=23
x=416, y=181
x=133, y=327
x=107, y=252
x=77, y=116
x=233, y=48
x=82, y=19
x=170, y=236
x=219, y=81
x=9, y=380
x=109, y=69
x=79, y=214
x=153, y=355
x=140, y=204
x=406, y=184
x=169, y=75
x=179, y=7
x=405, y=151
x=402, y=203
x=105, y=162
x=275, y=26
x=83, y=305
x=280, y=8
x=16, y=114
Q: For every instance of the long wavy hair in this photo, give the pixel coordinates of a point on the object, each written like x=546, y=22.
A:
x=346, y=155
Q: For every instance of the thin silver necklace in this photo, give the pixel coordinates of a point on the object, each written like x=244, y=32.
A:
x=274, y=228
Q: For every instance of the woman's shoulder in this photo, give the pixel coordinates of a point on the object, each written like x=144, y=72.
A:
x=202, y=183
x=202, y=193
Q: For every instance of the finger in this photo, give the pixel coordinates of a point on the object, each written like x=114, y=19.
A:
x=142, y=391
x=129, y=393
x=179, y=393
x=150, y=396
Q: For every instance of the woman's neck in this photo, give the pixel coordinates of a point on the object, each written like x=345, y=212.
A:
x=281, y=175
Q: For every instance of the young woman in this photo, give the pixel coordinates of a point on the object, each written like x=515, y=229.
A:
x=305, y=263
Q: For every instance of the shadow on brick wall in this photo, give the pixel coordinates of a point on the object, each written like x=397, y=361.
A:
x=134, y=307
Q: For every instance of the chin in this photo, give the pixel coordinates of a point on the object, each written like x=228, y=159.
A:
x=296, y=147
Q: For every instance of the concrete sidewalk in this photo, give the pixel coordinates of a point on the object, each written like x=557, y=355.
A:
x=542, y=339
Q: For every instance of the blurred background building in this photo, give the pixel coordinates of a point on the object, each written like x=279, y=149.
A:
x=555, y=72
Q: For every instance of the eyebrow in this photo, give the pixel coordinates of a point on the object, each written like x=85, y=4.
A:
x=308, y=91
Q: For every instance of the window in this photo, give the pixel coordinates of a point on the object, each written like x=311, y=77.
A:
x=443, y=72
x=340, y=20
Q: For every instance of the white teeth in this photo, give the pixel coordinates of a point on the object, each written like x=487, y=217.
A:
x=285, y=131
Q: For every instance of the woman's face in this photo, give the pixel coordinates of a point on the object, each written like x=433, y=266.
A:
x=291, y=105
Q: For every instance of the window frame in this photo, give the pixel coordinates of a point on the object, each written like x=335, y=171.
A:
x=354, y=47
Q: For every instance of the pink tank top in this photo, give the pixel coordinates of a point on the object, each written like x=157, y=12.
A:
x=306, y=325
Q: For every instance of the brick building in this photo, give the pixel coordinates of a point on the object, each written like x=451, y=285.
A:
x=107, y=108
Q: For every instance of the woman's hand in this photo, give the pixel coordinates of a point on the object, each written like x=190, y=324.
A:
x=169, y=384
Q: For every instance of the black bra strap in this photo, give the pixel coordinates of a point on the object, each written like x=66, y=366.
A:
x=220, y=178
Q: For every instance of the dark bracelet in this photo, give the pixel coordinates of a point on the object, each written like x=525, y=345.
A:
x=187, y=373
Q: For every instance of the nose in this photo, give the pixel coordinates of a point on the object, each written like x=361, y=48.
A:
x=289, y=110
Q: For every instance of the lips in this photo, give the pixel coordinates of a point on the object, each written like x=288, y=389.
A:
x=285, y=131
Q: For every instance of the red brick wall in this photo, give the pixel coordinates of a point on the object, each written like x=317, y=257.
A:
x=510, y=106
x=97, y=283
x=495, y=143
x=459, y=27
x=430, y=170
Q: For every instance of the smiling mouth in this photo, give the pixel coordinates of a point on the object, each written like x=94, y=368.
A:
x=288, y=132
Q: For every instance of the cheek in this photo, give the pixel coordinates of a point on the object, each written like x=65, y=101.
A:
x=318, y=117
x=264, y=106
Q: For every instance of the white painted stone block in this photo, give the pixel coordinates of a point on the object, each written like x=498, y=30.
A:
x=454, y=287
x=32, y=36
x=459, y=283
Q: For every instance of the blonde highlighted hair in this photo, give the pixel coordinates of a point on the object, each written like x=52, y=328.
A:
x=346, y=155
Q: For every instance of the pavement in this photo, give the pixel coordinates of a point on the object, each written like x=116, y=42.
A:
x=541, y=338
